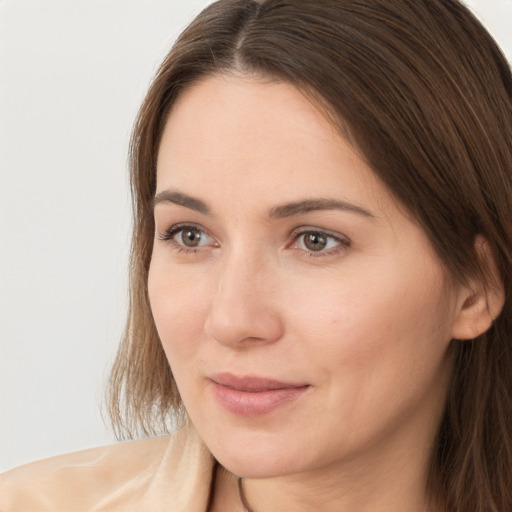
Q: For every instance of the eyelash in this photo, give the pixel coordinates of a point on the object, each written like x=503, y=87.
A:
x=343, y=243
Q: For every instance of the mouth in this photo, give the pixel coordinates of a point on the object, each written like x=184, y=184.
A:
x=254, y=396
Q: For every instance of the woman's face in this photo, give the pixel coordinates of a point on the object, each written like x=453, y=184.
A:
x=304, y=315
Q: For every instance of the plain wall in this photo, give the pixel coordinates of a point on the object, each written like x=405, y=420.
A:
x=72, y=75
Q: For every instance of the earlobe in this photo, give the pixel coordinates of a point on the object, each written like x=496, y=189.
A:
x=482, y=300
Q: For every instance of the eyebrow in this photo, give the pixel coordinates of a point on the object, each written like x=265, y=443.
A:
x=277, y=212
x=310, y=205
x=181, y=199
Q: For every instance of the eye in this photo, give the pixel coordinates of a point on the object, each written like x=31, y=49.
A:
x=319, y=243
x=187, y=237
x=190, y=237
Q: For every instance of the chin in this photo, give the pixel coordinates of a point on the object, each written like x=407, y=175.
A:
x=259, y=457
x=247, y=466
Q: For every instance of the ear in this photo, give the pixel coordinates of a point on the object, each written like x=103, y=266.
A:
x=481, y=300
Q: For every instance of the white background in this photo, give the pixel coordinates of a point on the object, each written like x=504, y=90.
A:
x=72, y=75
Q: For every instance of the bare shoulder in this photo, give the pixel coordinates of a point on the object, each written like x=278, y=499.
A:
x=80, y=480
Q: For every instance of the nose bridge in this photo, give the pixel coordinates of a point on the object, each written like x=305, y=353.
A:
x=243, y=306
x=243, y=271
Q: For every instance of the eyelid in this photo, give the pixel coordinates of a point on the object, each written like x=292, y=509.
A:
x=314, y=229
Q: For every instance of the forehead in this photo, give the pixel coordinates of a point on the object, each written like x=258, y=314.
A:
x=257, y=111
x=262, y=135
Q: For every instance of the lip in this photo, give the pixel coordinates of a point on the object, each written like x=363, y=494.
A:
x=253, y=396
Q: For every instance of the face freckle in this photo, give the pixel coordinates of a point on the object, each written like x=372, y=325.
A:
x=360, y=327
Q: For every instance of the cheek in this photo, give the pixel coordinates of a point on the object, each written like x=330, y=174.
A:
x=378, y=351
x=179, y=304
x=377, y=327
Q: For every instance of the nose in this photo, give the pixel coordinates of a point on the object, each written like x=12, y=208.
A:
x=244, y=308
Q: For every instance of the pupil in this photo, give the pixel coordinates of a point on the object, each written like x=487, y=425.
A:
x=191, y=238
x=315, y=241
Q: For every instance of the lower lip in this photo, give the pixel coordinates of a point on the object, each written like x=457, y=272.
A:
x=245, y=403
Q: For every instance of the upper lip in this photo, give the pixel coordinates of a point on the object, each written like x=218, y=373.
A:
x=252, y=384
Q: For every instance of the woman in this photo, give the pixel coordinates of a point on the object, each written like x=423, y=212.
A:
x=321, y=271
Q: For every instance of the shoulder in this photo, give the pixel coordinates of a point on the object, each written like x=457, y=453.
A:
x=123, y=476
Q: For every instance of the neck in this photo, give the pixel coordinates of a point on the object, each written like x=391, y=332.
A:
x=355, y=491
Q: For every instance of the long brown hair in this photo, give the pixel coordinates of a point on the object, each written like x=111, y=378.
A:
x=422, y=90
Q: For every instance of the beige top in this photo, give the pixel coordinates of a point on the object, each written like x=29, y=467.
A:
x=171, y=474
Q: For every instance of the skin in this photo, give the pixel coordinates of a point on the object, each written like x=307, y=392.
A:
x=366, y=323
